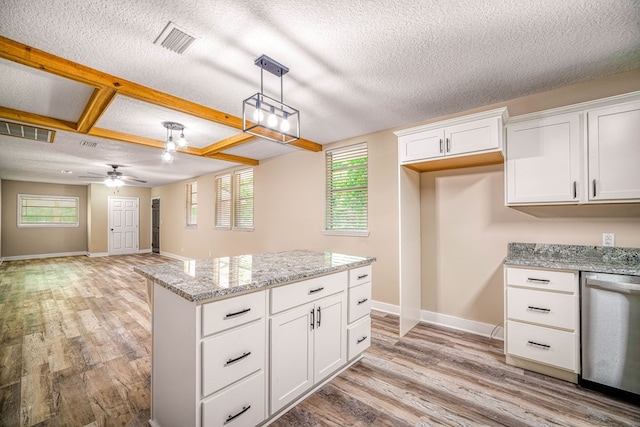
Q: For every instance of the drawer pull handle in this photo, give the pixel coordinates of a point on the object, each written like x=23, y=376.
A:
x=237, y=359
x=361, y=339
x=319, y=316
x=544, y=310
x=533, y=279
x=364, y=276
x=313, y=291
x=237, y=313
x=537, y=344
x=363, y=300
x=233, y=417
x=313, y=319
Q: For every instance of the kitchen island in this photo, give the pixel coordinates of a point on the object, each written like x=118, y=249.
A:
x=239, y=340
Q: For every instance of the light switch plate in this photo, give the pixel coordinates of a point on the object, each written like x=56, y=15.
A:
x=608, y=239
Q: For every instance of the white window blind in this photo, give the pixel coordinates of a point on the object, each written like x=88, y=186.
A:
x=192, y=203
x=48, y=211
x=243, y=199
x=223, y=201
x=347, y=190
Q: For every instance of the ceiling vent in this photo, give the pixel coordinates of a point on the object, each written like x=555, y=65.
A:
x=175, y=38
x=89, y=144
x=27, y=132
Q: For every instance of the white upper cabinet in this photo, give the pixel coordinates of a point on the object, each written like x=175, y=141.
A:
x=584, y=153
x=543, y=160
x=464, y=141
x=614, y=152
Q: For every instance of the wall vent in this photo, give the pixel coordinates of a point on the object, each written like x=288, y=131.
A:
x=89, y=144
x=175, y=38
x=27, y=132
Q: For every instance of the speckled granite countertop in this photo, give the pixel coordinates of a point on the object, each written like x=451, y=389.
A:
x=206, y=279
x=573, y=257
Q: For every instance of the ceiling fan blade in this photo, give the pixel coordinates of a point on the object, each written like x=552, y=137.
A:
x=131, y=178
x=93, y=177
x=98, y=174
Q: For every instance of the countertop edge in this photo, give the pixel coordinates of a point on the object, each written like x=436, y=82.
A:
x=252, y=287
x=561, y=265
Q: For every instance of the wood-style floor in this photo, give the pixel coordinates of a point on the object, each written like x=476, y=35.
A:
x=75, y=350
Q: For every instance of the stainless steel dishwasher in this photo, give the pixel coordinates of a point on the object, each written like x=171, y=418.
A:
x=610, y=330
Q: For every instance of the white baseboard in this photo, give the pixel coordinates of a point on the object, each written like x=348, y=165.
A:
x=174, y=256
x=97, y=254
x=144, y=251
x=386, y=308
x=472, y=326
x=38, y=256
x=475, y=327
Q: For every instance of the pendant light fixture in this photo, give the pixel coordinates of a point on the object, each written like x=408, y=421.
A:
x=170, y=145
x=267, y=117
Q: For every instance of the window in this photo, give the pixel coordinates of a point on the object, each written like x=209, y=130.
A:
x=192, y=204
x=243, y=199
x=347, y=191
x=223, y=201
x=234, y=200
x=48, y=211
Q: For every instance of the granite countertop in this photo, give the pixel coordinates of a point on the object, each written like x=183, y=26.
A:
x=602, y=259
x=200, y=280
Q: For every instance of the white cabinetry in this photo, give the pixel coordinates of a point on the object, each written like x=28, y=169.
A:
x=463, y=141
x=359, y=311
x=614, y=152
x=585, y=153
x=542, y=320
x=308, y=341
x=543, y=160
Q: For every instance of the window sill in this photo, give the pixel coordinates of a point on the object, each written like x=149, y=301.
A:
x=243, y=229
x=351, y=233
x=191, y=226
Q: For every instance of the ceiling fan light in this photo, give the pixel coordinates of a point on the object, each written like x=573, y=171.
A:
x=109, y=182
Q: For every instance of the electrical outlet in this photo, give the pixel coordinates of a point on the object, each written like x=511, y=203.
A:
x=608, y=239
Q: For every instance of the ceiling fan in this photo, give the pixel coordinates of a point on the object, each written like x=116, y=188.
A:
x=114, y=178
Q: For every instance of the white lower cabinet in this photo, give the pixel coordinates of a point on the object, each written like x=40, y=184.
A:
x=307, y=344
x=238, y=361
x=542, y=320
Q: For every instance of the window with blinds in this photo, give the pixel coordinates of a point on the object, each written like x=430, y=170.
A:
x=243, y=199
x=347, y=190
x=192, y=204
x=48, y=211
x=223, y=201
x=234, y=200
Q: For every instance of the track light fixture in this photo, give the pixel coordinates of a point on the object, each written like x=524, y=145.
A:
x=266, y=117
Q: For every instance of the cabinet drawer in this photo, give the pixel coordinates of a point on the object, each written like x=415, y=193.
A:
x=241, y=405
x=545, y=308
x=359, y=275
x=289, y=296
x=231, y=312
x=358, y=337
x=232, y=355
x=552, y=280
x=544, y=345
x=359, y=302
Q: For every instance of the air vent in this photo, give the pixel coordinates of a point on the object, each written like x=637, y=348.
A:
x=89, y=144
x=27, y=132
x=175, y=38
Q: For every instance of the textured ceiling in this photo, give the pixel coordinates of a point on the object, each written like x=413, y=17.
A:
x=355, y=66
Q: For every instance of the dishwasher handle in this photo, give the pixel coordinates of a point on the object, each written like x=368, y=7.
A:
x=621, y=287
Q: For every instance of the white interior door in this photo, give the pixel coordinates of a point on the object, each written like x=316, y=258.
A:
x=123, y=225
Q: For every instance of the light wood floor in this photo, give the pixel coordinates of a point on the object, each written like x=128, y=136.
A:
x=75, y=350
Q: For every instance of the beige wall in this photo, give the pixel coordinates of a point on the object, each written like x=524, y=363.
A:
x=0, y=219
x=466, y=228
x=289, y=213
x=98, y=220
x=41, y=240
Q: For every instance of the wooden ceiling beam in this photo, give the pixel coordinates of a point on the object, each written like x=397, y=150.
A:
x=97, y=105
x=235, y=159
x=36, y=119
x=232, y=141
x=307, y=145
